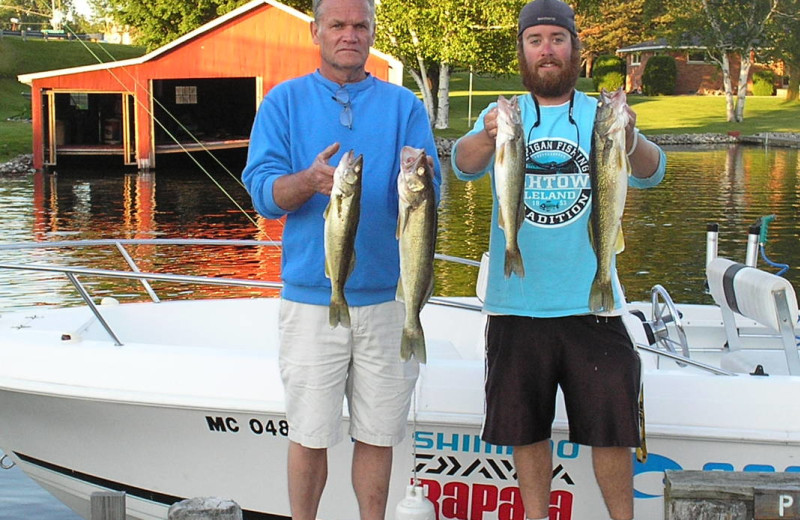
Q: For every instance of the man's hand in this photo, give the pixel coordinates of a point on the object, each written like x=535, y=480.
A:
x=319, y=176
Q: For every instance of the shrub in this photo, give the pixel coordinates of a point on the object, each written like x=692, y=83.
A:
x=611, y=81
x=605, y=65
x=659, y=76
x=763, y=83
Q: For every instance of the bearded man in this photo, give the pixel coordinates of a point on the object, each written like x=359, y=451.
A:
x=542, y=333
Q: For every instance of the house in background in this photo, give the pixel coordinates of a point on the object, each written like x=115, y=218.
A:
x=199, y=92
x=696, y=73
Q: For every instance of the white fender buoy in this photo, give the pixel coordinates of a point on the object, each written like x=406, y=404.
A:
x=415, y=506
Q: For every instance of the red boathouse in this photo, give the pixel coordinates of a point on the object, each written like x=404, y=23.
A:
x=199, y=92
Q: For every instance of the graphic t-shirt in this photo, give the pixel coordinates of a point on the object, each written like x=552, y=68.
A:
x=559, y=261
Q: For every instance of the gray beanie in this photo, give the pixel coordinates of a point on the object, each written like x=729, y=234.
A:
x=547, y=12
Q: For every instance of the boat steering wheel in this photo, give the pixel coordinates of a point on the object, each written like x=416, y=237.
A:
x=664, y=313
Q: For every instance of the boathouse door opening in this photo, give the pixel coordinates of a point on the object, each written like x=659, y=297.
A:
x=202, y=113
x=88, y=123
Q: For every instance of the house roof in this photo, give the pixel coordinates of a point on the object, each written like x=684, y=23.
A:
x=658, y=44
x=213, y=24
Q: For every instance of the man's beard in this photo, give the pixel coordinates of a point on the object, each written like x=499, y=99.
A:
x=549, y=85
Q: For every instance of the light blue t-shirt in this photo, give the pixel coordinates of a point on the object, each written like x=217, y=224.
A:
x=296, y=121
x=559, y=261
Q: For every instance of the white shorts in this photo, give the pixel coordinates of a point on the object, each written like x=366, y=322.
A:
x=320, y=366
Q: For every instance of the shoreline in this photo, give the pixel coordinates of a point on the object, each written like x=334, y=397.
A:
x=779, y=139
x=23, y=164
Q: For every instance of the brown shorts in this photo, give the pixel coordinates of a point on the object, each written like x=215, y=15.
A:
x=591, y=358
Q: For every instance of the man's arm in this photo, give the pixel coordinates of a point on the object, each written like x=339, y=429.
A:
x=476, y=150
x=643, y=155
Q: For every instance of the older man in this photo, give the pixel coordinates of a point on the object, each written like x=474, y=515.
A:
x=303, y=127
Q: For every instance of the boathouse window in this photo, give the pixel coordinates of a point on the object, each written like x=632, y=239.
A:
x=186, y=95
x=79, y=101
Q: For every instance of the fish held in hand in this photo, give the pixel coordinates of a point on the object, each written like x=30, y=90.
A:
x=609, y=171
x=509, y=180
x=341, y=223
x=416, y=233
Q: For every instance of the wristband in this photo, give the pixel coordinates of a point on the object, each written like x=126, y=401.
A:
x=635, y=141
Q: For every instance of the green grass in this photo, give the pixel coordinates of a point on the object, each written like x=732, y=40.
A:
x=655, y=115
x=23, y=57
x=18, y=56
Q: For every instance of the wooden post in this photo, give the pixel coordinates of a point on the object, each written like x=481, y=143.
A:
x=205, y=508
x=731, y=495
x=108, y=505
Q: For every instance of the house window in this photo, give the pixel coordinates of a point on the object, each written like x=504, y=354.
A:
x=186, y=95
x=636, y=58
x=696, y=57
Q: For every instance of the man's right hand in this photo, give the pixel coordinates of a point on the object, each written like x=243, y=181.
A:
x=293, y=190
x=319, y=175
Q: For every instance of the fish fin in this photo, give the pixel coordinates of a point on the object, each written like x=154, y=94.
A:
x=327, y=210
x=601, y=296
x=402, y=221
x=399, y=224
x=513, y=263
x=619, y=246
x=428, y=292
x=520, y=217
x=400, y=295
x=412, y=343
x=352, y=265
x=591, y=232
x=338, y=314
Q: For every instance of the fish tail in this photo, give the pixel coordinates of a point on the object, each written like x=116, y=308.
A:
x=513, y=263
x=601, y=296
x=412, y=343
x=339, y=313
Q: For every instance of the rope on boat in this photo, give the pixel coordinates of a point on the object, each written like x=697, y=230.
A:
x=5, y=465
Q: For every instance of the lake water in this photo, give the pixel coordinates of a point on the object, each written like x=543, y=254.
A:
x=665, y=234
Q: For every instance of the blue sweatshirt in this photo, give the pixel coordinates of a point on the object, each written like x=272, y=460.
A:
x=559, y=261
x=295, y=122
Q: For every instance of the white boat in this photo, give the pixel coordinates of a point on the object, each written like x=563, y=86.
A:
x=167, y=400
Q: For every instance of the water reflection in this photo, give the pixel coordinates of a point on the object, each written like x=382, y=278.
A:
x=664, y=227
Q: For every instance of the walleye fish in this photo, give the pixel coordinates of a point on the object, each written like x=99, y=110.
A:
x=341, y=221
x=609, y=170
x=509, y=180
x=416, y=232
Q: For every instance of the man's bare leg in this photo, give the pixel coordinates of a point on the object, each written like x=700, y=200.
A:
x=534, y=465
x=613, y=469
x=308, y=471
x=372, y=468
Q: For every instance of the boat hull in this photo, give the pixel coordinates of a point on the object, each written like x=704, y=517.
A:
x=200, y=413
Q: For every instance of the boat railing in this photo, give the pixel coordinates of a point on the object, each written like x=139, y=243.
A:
x=73, y=274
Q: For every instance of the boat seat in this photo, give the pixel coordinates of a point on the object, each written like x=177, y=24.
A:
x=758, y=295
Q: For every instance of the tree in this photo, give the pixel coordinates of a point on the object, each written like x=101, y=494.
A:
x=725, y=28
x=433, y=37
x=782, y=32
x=607, y=26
